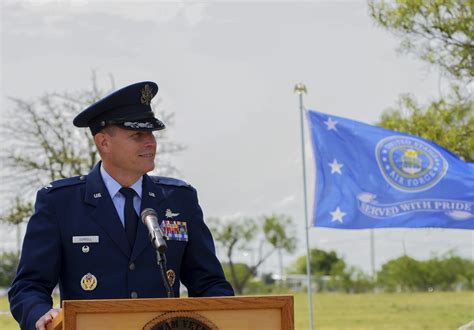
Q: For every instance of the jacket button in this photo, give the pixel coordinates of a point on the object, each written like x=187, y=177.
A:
x=134, y=295
x=131, y=266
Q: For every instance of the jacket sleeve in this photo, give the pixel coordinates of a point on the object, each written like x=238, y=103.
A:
x=38, y=270
x=201, y=271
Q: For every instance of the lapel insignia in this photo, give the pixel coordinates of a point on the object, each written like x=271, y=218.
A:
x=174, y=230
x=88, y=282
x=97, y=195
x=170, y=214
x=152, y=194
x=171, y=276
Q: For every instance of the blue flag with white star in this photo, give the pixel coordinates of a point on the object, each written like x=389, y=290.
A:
x=371, y=177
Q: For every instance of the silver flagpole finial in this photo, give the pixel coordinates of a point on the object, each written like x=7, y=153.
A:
x=300, y=88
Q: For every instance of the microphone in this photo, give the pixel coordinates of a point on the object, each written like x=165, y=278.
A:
x=150, y=220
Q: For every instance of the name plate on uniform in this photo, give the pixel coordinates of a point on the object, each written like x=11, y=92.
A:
x=85, y=239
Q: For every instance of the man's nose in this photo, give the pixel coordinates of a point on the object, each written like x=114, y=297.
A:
x=150, y=139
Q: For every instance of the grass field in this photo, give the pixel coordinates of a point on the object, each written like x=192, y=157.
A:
x=443, y=310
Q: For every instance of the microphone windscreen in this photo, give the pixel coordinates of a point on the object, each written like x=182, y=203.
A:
x=147, y=212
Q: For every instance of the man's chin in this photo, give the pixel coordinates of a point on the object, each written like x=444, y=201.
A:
x=150, y=168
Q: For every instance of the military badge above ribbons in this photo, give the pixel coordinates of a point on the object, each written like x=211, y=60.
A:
x=371, y=177
x=174, y=230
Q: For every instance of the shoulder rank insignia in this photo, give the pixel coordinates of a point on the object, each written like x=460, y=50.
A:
x=64, y=183
x=174, y=230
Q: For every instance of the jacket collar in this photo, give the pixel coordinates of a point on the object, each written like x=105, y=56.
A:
x=106, y=216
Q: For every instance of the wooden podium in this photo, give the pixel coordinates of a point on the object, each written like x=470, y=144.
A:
x=220, y=313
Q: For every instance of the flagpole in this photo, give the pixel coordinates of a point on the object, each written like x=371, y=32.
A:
x=372, y=252
x=300, y=89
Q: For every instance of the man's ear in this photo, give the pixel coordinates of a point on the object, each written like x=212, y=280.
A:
x=101, y=140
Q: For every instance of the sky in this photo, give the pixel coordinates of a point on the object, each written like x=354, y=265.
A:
x=227, y=71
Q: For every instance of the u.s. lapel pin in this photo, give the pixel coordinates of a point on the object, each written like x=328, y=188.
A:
x=97, y=195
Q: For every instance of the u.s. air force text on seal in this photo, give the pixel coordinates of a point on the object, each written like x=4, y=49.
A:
x=409, y=164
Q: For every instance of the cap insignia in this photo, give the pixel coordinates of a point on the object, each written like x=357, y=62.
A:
x=147, y=95
x=134, y=124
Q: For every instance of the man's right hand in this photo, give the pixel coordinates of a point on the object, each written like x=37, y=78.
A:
x=47, y=318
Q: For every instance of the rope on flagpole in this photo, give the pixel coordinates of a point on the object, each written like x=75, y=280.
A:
x=301, y=89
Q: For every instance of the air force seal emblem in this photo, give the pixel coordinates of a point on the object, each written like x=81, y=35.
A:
x=409, y=164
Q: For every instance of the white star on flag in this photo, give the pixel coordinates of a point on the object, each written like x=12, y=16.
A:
x=331, y=124
x=337, y=215
x=335, y=167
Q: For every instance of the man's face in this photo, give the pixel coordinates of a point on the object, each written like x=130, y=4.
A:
x=128, y=152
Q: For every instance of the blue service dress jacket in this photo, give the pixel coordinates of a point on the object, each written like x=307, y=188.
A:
x=75, y=238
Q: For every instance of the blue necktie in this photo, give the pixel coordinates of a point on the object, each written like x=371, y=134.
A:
x=131, y=217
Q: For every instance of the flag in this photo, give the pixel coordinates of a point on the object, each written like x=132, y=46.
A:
x=371, y=177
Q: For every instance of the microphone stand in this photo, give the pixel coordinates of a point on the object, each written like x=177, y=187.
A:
x=156, y=238
x=161, y=259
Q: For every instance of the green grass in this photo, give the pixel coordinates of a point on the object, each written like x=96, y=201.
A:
x=437, y=310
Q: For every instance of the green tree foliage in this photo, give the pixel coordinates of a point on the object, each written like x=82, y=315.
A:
x=439, y=31
x=321, y=263
x=8, y=265
x=351, y=280
x=241, y=270
x=407, y=274
x=403, y=274
x=19, y=213
x=250, y=235
x=448, y=122
x=342, y=277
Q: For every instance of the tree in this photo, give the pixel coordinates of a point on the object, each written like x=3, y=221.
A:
x=402, y=274
x=19, y=213
x=438, y=31
x=448, y=122
x=42, y=145
x=351, y=280
x=321, y=263
x=446, y=273
x=8, y=265
x=251, y=235
x=342, y=277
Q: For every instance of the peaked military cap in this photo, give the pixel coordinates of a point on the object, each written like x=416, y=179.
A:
x=128, y=108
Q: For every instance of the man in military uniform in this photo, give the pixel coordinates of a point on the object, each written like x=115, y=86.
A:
x=85, y=233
